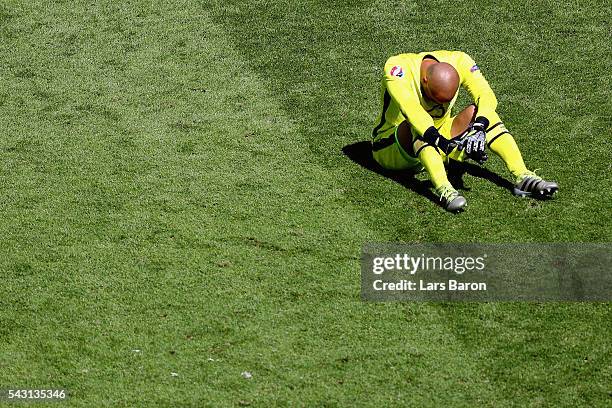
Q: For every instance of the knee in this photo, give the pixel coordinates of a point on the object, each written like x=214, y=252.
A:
x=404, y=135
x=471, y=111
x=420, y=146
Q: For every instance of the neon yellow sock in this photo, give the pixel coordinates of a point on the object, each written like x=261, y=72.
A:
x=505, y=147
x=501, y=142
x=432, y=161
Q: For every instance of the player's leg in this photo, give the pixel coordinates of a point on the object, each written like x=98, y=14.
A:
x=502, y=143
x=463, y=121
x=426, y=154
x=457, y=127
x=433, y=162
x=386, y=152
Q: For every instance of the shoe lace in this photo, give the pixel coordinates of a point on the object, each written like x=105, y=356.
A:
x=447, y=193
x=530, y=174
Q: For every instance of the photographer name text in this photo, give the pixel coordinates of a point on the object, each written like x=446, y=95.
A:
x=421, y=285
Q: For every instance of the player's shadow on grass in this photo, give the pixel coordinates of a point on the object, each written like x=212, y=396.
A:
x=361, y=153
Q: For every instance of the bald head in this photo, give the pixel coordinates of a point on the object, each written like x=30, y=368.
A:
x=441, y=81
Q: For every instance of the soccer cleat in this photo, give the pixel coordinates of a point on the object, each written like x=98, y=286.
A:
x=529, y=184
x=450, y=199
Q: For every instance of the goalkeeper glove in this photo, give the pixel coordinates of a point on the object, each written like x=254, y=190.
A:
x=434, y=138
x=474, y=141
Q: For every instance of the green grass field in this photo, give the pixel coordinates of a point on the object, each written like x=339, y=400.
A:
x=176, y=198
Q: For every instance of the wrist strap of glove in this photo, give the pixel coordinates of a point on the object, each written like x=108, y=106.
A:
x=481, y=123
x=434, y=138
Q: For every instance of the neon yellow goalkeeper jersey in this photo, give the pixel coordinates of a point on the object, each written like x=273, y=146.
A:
x=403, y=97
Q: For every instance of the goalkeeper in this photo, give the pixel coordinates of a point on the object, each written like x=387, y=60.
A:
x=416, y=128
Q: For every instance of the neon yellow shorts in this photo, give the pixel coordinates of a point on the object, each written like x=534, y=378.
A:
x=387, y=152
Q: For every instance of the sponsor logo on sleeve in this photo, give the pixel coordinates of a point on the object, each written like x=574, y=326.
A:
x=474, y=68
x=397, y=71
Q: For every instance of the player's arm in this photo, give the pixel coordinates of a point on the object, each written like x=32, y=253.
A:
x=400, y=89
x=478, y=87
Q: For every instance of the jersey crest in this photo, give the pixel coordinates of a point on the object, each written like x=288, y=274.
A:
x=397, y=71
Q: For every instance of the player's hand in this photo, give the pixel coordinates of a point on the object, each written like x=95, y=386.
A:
x=474, y=143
